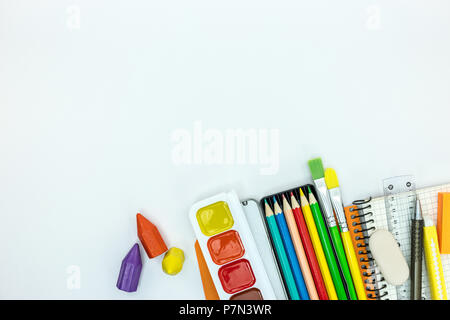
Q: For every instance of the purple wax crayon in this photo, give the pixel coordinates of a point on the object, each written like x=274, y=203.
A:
x=130, y=270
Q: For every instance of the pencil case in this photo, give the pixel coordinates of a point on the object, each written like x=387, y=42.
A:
x=296, y=193
x=272, y=240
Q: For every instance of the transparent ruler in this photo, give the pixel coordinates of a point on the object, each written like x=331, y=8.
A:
x=400, y=201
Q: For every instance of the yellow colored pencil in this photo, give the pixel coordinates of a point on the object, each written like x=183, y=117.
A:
x=326, y=275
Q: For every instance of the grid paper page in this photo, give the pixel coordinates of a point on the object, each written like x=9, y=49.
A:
x=379, y=218
x=429, y=201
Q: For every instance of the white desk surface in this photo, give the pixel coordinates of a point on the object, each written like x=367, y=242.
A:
x=92, y=91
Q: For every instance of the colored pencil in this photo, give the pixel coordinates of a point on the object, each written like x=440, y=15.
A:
x=309, y=249
x=281, y=253
x=327, y=247
x=318, y=249
x=336, y=199
x=290, y=251
x=299, y=250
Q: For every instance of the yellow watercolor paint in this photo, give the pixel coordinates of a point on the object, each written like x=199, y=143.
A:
x=215, y=218
x=173, y=261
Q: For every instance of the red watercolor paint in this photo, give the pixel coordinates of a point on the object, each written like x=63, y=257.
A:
x=236, y=276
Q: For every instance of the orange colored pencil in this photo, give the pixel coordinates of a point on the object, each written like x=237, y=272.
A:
x=299, y=250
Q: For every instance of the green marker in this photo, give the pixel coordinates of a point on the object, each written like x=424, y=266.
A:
x=318, y=175
x=281, y=253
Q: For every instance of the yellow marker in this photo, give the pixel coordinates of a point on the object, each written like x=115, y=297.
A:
x=336, y=199
x=326, y=275
x=173, y=261
x=433, y=259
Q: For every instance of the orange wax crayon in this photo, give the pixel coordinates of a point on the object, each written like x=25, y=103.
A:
x=150, y=237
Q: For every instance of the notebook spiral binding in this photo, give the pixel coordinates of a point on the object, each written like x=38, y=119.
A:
x=364, y=224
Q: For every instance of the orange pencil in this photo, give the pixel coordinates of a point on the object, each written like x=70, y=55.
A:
x=299, y=250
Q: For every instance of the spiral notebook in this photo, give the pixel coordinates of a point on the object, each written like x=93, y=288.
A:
x=366, y=216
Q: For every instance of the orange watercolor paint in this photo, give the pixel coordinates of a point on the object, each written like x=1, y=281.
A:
x=225, y=247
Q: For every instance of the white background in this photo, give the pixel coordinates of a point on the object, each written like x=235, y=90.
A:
x=87, y=114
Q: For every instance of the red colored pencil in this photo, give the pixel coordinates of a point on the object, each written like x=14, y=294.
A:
x=309, y=249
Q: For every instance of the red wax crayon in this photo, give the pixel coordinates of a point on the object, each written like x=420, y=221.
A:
x=150, y=237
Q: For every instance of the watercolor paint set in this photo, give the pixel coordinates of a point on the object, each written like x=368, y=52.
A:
x=229, y=248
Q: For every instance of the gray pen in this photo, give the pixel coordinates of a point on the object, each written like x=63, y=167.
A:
x=416, y=253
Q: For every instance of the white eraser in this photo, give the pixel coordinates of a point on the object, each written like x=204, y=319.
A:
x=389, y=258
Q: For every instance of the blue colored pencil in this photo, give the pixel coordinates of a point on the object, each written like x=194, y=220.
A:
x=281, y=253
x=289, y=246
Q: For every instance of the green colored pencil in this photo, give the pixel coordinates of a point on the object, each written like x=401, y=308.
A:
x=281, y=253
x=327, y=248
